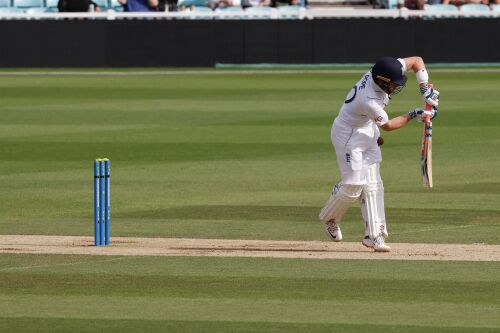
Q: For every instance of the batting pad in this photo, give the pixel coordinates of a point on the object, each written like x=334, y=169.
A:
x=372, y=203
x=340, y=201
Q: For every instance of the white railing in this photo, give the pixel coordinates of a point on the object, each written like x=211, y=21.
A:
x=395, y=13
x=301, y=13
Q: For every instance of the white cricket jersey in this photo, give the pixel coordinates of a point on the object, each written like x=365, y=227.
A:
x=364, y=104
x=355, y=130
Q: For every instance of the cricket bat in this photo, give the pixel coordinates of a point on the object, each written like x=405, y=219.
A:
x=426, y=155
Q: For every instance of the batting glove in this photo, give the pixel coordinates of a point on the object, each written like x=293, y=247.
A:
x=420, y=114
x=430, y=95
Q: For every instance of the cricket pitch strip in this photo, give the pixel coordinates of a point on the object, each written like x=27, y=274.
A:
x=179, y=247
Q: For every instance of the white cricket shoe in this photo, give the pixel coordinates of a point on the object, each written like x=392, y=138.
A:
x=378, y=244
x=333, y=230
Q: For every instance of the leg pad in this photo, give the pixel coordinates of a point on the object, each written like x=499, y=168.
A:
x=341, y=199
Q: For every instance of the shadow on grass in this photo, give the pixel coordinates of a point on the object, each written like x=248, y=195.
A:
x=152, y=152
x=480, y=188
x=310, y=213
x=229, y=212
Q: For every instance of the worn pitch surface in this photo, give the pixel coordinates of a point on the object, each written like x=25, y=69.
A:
x=244, y=248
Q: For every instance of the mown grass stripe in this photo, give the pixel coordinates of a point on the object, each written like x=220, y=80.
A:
x=64, y=325
x=250, y=287
x=441, y=314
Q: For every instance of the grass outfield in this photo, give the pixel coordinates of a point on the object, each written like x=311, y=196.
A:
x=40, y=293
x=236, y=156
x=248, y=157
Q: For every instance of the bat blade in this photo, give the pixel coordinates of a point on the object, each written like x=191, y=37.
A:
x=429, y=182
x=426, y=154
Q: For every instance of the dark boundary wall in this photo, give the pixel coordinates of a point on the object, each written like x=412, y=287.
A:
x=168, y=43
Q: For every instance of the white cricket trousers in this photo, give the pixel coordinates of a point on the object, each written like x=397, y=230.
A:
x=356, y=149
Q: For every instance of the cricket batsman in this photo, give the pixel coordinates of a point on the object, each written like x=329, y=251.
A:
x=355, y=136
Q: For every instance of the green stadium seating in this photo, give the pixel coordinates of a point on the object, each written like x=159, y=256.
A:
x=199, y=9
x=474, y=7
x=116, y=6
x=289, y=12
x=389, y=4
x=471, y=10
x=230, y=13
x=259, y=13
x=442, y=7
x=10, y=10
x=34, y=10
x=103, y=4
x=190, y=3
x=25, y=4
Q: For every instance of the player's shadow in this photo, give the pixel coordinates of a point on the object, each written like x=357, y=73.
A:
x=230, y=212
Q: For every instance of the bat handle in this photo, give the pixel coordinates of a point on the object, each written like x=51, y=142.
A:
x=428, y=107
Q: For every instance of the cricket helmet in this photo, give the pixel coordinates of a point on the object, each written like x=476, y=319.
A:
x=388, y=74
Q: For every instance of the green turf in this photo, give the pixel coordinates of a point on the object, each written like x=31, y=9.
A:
x=79, y=293
x=236, y=156
x=249, y=157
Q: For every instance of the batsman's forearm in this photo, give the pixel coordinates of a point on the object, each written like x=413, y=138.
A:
x=415, y=64
x=396, y=123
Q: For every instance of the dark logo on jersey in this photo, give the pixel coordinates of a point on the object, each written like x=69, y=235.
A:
x=347, y=101
x=363, y=83
x=348, y=158
x=379, y=118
